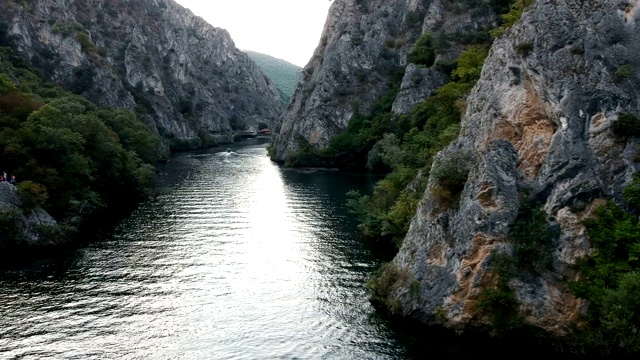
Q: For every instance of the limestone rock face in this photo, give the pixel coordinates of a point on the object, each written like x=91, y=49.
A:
x=153, y=56
x=25, y=222
x=363, y=42
x=538, y=121
x=362, y=56
x=417, y=85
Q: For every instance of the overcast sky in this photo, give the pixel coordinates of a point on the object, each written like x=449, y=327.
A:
x=286, y=29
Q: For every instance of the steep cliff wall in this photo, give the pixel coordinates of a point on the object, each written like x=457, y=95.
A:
x=153, y=56
x=538, y=126
x=362, y=57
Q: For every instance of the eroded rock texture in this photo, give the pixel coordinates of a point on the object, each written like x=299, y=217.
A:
x=537, y=124
x=362, y=55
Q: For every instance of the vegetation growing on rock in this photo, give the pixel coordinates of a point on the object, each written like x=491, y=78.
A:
x=70, y=157
x=409, y=150
x=611, y=277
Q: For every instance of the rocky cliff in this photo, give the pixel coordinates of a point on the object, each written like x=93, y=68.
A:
x=183, y=76
x=25, y=226
x=537, y=126
x=362, y=57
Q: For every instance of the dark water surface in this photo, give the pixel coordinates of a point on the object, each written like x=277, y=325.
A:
x=233, y=258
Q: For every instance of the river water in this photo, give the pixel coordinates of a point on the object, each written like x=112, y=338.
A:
x=232, y=257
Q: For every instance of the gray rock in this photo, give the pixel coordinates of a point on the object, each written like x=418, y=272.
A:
x=362, y=45
x=26, y=222
x=152, y=54
x=417, y=84
x=361, y=56
x=538, y=121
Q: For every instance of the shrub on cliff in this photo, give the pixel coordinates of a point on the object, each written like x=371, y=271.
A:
x=9, y=231
x=423, y=52
x=449, y=176
x=611, y=280
x=626, y=125
x=516, y=9
x=32, y=194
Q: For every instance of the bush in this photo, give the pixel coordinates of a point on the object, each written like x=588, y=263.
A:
x=516, y=9
x=626, y=125
x=449, y=176
x=577, y=50
x=621, y=313
x=470, y=63
x=631, y=193
x=611, y=280
x=54, y=233
x=500, y=305
x=423, y=52
x=32, y=194
x=10, y=235
x=185, y=106
x=381, y=284
x=532, y=238
x=524, y=49
x=85, y=42
x=307, y=155
x=624, y=71
x=271, y=151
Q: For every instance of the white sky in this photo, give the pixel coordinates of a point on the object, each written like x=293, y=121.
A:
x=285, y=29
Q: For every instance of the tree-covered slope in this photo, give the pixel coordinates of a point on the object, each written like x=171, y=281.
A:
x=284, y=74
x=69, y=156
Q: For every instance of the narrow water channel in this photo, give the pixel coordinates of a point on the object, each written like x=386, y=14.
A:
x=232, y=258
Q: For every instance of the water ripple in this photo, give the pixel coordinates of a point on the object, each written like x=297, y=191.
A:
x=233, y=258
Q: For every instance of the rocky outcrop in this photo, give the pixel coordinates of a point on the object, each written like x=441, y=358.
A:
x=361, y=58
x=362, y=44
x=417, y=84
x=537, y=124
x=26, y=223
x=152, y=56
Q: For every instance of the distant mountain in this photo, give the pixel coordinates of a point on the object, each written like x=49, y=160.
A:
x=284, y=74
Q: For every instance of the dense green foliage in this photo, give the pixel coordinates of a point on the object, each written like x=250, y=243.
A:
x=514, y=14
x=532, y=239
x=611, y=279
x=381, y=284
x=69, y=156
x=626, y=125
x=349, y=150
x=32, y=194
x=406, y=145
x=423, y=52
x=283, y=74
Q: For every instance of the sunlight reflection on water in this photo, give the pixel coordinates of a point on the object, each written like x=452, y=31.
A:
x=233, y=258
